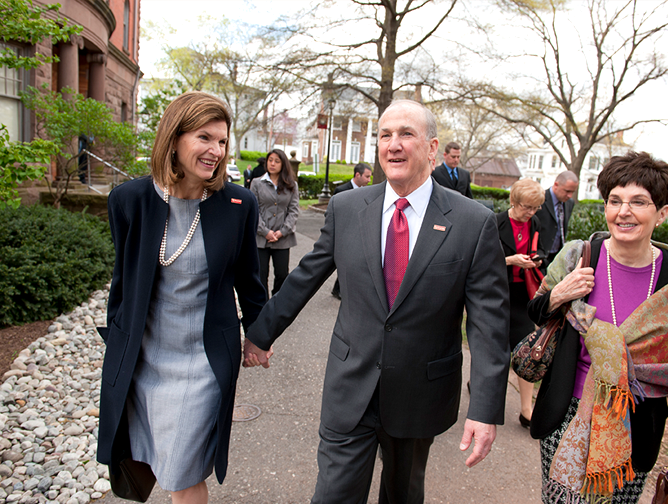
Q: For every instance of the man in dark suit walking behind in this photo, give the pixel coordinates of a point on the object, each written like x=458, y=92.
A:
x=410, y=256
x=556, y=212
x=361, y=177
x=449, y=175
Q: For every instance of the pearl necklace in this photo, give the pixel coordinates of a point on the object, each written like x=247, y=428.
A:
x=651, y=279
x=163, y=245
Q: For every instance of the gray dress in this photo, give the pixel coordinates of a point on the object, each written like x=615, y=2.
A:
x=174, y=399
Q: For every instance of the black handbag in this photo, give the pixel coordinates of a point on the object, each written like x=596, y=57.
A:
x=532, y=356
x=133, y=481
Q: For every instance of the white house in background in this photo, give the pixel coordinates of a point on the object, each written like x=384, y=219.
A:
x=543, y=165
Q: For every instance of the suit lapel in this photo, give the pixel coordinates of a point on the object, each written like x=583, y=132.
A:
x=370, y=222
x=435, y=229
x=550, y=206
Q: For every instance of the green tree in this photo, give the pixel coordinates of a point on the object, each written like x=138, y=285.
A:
x=23, y=22
x=63, y=116
x=235, y=63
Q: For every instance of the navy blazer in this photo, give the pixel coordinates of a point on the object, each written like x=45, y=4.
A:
x=463, y=185
x=556, y=388
x=137, y=217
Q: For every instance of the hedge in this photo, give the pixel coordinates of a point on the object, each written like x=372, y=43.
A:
x=50, y=261
x=252, y=155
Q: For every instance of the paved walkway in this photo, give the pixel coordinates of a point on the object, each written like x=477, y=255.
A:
x=273, y=458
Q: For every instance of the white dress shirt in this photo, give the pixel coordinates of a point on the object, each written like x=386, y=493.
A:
x=418, y=199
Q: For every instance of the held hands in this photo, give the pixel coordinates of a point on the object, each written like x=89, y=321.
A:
x=482, y=435
x=255, y=356
x=576, y=284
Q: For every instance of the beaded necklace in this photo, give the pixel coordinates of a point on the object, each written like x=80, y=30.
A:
x=163, y=245
x=651, y=279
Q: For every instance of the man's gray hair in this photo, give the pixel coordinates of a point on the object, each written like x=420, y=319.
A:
x=567, y=176
x=429, y=118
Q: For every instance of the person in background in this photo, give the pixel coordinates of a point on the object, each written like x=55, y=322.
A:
x=173, y=332
x=517, y=228
x=248, y=176
x=361, y=177
x=260, y=169
x=601, y=408
x=411, y=257
x=556, y=212
x=449, y=175
x=278, y=197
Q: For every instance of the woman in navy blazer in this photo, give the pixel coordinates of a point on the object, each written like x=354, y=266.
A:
x=517, y=228
x=188, y=163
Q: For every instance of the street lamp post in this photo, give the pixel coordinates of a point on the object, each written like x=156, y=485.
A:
x=326, y=194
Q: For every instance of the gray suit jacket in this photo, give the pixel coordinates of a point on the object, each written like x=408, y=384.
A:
x=414, y=350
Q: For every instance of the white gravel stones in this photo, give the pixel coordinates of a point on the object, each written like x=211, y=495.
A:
x=49, y=408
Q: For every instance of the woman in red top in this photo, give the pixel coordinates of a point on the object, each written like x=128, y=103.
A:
x=518, y=231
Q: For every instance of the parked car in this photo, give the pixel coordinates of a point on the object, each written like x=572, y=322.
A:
x=233, y=173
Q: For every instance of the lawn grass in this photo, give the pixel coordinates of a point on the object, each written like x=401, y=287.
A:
x=334, y=169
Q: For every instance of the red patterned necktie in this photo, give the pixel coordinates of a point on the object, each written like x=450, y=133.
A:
x=396, y=251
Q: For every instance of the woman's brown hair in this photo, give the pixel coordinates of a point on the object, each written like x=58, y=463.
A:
x=188, y=112
x=635, y=168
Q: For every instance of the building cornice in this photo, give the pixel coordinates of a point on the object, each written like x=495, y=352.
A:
x=102, y=7
x=123, y=58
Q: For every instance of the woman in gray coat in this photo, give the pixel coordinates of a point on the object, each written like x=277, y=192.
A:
x=278, y=198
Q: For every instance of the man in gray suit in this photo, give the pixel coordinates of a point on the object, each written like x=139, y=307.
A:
x=411, y=256
x=556, y=212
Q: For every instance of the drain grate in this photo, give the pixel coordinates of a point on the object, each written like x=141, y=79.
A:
x=245, y=412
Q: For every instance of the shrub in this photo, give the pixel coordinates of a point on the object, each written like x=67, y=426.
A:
x=311, y=186
x=252, y=155
x=50, y=261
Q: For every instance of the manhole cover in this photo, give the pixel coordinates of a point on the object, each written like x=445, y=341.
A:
x=245, y=412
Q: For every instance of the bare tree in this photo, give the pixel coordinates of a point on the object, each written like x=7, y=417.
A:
x=482, y=135
x=383, y=52
x=570, y=100
x=236, y=65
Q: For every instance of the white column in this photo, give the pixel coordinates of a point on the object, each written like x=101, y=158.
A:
x=369, y=151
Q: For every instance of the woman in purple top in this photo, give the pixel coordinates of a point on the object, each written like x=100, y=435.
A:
x=601, y=409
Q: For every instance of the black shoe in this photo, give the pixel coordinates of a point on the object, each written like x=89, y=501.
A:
x=524, y=422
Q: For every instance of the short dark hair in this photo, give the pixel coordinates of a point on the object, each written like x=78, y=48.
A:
x=636, y=168
x=452, y=145
x=361, y=168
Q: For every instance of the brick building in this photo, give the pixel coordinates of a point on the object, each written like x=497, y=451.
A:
x=100, y=63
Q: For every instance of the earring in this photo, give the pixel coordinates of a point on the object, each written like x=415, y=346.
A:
x=173, y=156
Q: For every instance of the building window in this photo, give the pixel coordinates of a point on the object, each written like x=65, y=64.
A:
x=305, y=147
x=593, y=163
x=126, y=26
x=335, y=151
x=357, y=126
x=336, y=123
x=355, y=152
x=245, y=143
x=554, y=161
x=540, y=162
x=124, y=112
x=11, y=108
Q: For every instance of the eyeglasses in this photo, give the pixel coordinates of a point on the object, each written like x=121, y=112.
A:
x=530, y=208
x=634, y=204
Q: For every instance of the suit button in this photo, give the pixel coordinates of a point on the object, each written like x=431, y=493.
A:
x=388, y=327
x=378, y=365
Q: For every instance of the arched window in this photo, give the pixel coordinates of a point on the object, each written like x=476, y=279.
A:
x=126, y=26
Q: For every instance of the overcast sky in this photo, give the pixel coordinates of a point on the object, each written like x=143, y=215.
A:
x=183, y=16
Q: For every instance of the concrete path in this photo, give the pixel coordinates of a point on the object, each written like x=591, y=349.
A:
x=273, y=458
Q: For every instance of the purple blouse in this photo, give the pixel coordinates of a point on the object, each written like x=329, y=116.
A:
x=629, y=289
